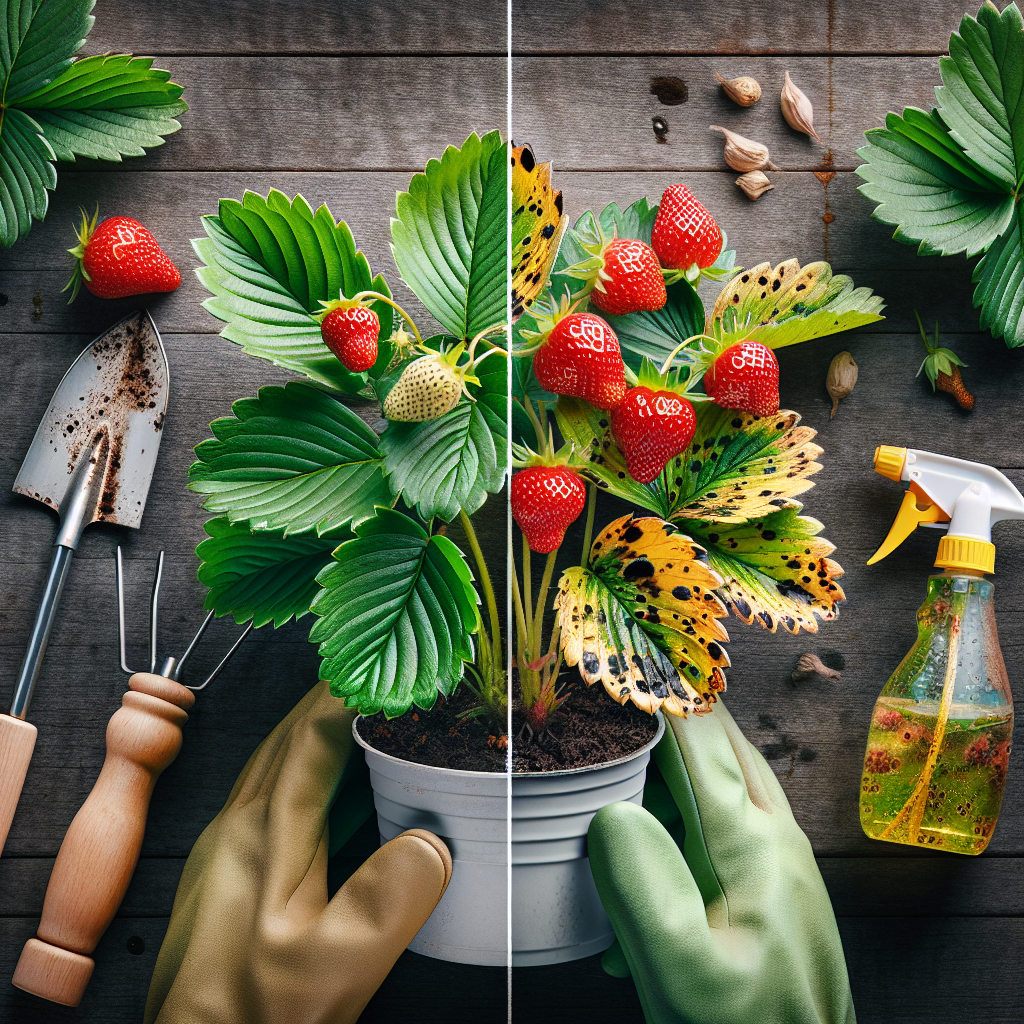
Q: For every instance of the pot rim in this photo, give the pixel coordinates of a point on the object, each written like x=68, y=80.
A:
x=603, y=764
x=458, y=772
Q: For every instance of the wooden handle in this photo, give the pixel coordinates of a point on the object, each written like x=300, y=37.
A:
x=17, y=741
x=101, y=848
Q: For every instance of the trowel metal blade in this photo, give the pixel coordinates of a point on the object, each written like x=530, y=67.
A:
x=110, y=406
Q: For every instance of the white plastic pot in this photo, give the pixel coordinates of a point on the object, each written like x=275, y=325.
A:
x=556, y=911
x=469, y=811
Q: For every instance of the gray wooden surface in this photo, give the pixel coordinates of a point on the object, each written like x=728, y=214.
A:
x=936, y=939
x=342, y=102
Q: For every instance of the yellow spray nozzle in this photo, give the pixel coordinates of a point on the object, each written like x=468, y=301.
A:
x=889, y=461
x=909, y=518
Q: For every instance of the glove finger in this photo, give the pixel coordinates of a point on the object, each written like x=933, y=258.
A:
x=613, y=961
x=378, y=911
x=763, y=787
x=652, y=900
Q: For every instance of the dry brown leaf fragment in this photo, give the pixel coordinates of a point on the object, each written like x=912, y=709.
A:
x=808, y=665
x=841, y=379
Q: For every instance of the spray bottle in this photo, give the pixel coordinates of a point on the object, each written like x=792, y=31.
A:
x=939, y=743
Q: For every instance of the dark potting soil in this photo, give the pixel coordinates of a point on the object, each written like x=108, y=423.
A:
x=439, y=737
x=587, y=729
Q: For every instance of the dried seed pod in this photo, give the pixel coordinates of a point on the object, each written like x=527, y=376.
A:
x=841, y=379
x=754, y=184
x=744, y=90
x=797, y=109
x=808, y=665
x=743, y=154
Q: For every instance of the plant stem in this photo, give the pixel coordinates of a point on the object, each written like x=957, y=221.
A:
x=485, y=585
x=542, y=594
x=588, y=533
x=394, y=305
x=520, y=612
x=527, y=591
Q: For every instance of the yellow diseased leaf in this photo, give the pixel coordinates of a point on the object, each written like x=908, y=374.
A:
x=643, y=618
x=537, y=225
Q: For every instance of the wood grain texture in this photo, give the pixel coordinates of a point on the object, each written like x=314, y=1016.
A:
x=732, y=27
x=565, y=103
x=297, y=27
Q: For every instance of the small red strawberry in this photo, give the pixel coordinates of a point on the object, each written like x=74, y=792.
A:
x=119, y=258
x=579, y=355
x=684, y=232
x=545, y=501
x=621, y=275
x=745, y=377
x=351, y=334
x=651, y=427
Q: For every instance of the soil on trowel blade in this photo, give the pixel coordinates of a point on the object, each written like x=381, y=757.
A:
x=439, y=737
x=587, y=729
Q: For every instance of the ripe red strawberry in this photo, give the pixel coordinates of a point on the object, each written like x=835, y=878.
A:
x=119, y=258
x=580, y=356
x=631, y=280
x=684, y=232
x=545, y=500
x=351, y=334
x=651, y=427
x=746, y=377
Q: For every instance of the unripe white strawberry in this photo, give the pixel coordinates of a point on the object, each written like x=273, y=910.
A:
x=428, y=388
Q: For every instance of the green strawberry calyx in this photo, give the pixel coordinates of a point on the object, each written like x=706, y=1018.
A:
x=721, y=270
x=594, y=241
x=938, y=360
x=547, y=312
x=84, y=233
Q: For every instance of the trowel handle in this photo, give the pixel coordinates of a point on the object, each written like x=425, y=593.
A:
x=40, y=637
x=101, y=848
x=17, y=741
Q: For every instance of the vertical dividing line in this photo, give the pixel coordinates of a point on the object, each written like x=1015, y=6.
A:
x=508, y=508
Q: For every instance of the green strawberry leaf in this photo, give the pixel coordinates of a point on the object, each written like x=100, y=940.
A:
x=776, y=570
x=999, y=277
x=450, y=464
x=951, y=180
x=263, y=576
x=790, y=304
x=395, y=616
x=293, y=459
x=928, y=190
x=655, y=334
x=55, y=108
x=449, y=237
x=107, y=107
x=642, y=617
x=268, y=264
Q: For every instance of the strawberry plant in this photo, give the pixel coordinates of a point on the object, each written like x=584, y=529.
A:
x=55, y=108
x=674, y=410
x=318, y=511
x=950, y=180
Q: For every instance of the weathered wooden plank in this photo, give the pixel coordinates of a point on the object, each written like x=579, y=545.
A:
x=900, y=969
x=295, y=27
x=731, y=27
x=324, y=113
x=565, y=108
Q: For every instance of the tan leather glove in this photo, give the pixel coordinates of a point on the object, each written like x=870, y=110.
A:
x=253, y=938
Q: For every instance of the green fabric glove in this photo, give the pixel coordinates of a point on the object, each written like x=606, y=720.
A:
x=737, y=928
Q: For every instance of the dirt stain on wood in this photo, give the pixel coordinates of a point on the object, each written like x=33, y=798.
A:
x=825, y=175
x=671, y=91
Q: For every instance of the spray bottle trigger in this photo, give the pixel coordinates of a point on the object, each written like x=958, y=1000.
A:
x=910, y=516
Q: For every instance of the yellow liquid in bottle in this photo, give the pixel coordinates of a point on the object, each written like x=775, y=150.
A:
x=966, y=785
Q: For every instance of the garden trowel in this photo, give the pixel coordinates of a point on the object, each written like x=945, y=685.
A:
x=91, y=461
